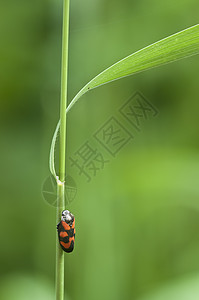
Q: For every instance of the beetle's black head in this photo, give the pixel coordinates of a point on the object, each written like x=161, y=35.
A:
x=67, y=217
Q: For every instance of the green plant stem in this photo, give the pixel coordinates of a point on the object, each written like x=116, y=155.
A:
x=59, y=282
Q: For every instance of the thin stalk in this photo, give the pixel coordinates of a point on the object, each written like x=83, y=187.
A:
x=59, y=282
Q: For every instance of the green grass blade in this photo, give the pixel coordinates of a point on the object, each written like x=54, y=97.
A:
x=180, y=45
x=52, y=152
x=177, y=46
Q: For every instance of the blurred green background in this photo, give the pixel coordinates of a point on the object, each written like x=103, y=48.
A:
x=137, y=220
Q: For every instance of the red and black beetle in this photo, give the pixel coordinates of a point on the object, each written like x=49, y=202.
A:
x=66, y=231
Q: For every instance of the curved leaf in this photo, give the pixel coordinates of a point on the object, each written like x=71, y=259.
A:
x=177, y=46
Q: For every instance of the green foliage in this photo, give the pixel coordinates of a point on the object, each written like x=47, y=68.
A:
x=174, y=47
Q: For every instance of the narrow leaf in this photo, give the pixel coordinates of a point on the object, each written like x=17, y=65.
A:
x=52, y=152
x=180, y=45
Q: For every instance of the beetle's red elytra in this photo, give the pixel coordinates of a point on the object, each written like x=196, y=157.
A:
x=66, y=231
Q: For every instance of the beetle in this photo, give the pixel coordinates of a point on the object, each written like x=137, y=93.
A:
x=66, y=231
